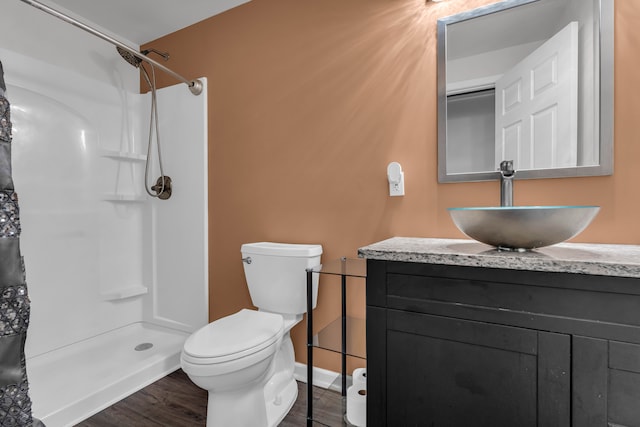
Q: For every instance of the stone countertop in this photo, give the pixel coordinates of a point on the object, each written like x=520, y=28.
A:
x=579, y=258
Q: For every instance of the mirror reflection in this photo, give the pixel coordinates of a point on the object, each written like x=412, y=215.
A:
x=524, y=80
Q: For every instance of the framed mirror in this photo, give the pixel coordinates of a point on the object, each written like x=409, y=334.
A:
x=529, y=81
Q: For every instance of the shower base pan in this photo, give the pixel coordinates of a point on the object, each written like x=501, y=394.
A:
x=72, y=383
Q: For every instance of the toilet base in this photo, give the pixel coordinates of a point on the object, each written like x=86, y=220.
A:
x=279, y=407
x=242, y=408
x=248, y=407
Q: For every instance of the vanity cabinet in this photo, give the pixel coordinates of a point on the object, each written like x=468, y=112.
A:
x=453, y=345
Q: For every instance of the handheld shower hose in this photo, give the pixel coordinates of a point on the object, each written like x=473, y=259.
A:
x=163, y=188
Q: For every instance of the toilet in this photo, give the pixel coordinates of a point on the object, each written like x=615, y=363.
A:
x=245, y=360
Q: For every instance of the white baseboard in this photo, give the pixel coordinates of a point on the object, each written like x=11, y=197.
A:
x=321, y=377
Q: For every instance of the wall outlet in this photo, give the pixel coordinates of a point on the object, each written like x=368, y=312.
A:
x=397, y=188
x=395, y=175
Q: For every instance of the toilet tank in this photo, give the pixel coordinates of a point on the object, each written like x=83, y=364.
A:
x=276, y=275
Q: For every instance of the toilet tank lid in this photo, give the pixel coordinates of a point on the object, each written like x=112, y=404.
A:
x=281, y=249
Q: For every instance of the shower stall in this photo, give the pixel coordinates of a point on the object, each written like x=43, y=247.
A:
x=117, y=279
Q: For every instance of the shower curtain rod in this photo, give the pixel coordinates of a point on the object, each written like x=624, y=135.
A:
x=195, y=86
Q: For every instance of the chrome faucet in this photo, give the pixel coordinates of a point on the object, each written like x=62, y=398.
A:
x=506, y=182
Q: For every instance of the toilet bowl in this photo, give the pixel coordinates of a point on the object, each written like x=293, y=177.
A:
x=246, y=360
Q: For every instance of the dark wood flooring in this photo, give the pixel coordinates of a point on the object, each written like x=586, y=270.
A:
x=174, y=401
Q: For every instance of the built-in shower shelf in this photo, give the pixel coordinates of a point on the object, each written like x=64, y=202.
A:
x=123, y=155
x=124, y=198
x=121, y=293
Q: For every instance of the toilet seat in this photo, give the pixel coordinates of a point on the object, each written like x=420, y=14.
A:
x=233, y=337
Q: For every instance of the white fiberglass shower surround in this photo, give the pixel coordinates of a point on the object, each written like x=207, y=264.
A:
x=117, y=279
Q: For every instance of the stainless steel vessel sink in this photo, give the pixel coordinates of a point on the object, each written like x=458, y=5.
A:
x=521, y=228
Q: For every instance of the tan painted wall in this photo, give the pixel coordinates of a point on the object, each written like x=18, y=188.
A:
x=309, y=102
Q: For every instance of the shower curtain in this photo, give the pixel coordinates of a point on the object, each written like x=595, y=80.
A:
x=15, y=404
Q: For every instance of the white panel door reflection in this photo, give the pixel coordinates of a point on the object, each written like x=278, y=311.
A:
x=537, y=106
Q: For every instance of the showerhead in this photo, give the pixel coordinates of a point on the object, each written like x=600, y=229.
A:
x=134, y=60
x=129, y=57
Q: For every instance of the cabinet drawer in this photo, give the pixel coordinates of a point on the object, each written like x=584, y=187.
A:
x=419, y=293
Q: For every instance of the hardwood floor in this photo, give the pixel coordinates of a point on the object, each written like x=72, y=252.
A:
x=174, y=401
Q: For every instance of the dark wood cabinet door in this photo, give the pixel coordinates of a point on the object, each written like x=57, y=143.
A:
x=450, y=372
x=606, y=383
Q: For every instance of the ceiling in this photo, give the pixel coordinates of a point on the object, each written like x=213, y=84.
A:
x=527, y=23
x=141, y=21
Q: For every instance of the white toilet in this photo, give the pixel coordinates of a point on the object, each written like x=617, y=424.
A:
x=246, y=361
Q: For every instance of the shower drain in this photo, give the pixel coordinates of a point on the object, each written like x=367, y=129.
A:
x=144, y=346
